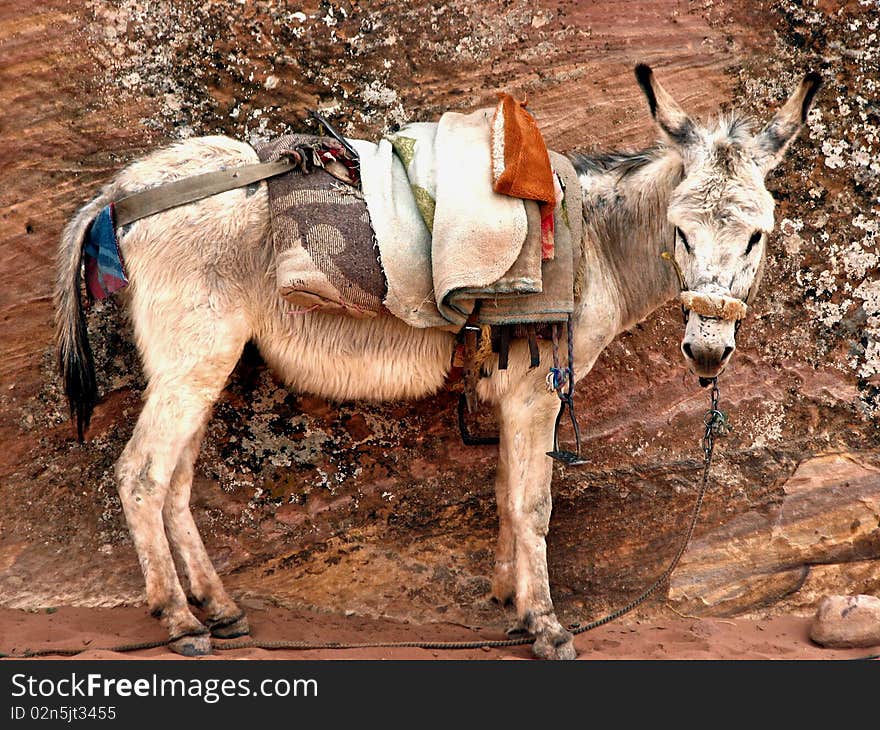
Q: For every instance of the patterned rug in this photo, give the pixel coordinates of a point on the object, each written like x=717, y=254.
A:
x=326, y=253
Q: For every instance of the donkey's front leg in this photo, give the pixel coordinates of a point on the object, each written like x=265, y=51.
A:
x=527, y=422
x=504, y=578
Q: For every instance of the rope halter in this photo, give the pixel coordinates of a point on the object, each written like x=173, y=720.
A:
x=718, y=306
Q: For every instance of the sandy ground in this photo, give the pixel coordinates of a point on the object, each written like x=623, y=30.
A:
x=665, y=638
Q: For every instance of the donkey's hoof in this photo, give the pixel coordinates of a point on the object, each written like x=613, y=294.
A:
x=199, y=645
x=554, y=645
x=517, y=629
x=231, y=628
x=503, y=586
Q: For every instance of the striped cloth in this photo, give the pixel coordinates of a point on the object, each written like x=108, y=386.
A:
x=105, y=271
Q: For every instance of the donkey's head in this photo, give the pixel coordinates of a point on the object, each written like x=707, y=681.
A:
x=722, y=213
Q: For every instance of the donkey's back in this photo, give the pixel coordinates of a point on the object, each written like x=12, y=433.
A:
x=202, y=283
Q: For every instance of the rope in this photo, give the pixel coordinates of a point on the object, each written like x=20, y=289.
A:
x=716, y=423
x=505, y=643
x=121, y=649
x=635, y=603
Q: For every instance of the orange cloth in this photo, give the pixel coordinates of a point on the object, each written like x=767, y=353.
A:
x=524, y=171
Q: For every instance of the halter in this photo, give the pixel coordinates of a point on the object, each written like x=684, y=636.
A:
x=715, y=306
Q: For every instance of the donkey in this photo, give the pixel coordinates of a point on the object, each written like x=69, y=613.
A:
x=202, y=285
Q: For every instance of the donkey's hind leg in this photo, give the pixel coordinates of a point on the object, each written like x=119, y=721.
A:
x=224, y=617
x=166, y=424
x=188, y=356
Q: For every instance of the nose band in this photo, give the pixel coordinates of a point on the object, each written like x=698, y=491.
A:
x=717, y=306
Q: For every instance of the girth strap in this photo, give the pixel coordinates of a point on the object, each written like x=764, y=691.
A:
x=190, y=189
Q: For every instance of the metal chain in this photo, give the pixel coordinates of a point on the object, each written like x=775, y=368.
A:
x=717, y=424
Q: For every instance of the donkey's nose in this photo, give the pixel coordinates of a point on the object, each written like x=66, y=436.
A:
x=706, y=359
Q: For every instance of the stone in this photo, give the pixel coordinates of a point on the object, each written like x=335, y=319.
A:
x=847, y=621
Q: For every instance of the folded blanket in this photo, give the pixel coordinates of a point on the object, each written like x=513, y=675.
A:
x=448, y=241
x=403, y=238
x=520, y=163
x=414, y=146
x=478, y=234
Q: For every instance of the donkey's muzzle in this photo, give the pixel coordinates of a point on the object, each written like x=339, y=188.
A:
x=707, y=359
x=710, y=331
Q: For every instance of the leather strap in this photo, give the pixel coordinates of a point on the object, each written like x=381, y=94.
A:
x=503, y=346
x=190, y=189
x=534, y=352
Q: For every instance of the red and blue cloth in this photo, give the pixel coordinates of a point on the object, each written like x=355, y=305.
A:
x=105, y=271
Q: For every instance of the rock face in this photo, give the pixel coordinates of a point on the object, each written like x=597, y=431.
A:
x=828, y=519
x=379, y=509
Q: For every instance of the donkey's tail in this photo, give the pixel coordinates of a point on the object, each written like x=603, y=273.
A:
x=71, y=334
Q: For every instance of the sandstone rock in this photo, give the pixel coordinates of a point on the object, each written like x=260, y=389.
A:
x=829, y=515
x=380, y=509
x=847, y=621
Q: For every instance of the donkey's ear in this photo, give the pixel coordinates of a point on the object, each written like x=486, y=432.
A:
x=675, y=125
x=771, y=142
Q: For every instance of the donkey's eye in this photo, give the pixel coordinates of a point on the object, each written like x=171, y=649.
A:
x=684, y=240
x=753, y=239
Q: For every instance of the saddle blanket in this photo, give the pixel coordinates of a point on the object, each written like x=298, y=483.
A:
x=325, y=251
x=448, y=241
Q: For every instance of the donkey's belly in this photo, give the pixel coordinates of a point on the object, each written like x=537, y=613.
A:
x=343, y=358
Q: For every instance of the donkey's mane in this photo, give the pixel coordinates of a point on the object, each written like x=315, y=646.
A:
x=624, y=161
x=732, y=129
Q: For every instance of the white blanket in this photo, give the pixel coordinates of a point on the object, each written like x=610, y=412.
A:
x=404, y=239
x=446, y=239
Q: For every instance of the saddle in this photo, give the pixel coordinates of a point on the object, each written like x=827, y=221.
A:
x=467, y=220
x=469, y=224
x=476, y=228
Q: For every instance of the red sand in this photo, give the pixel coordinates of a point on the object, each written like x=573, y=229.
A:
x=664, y=638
